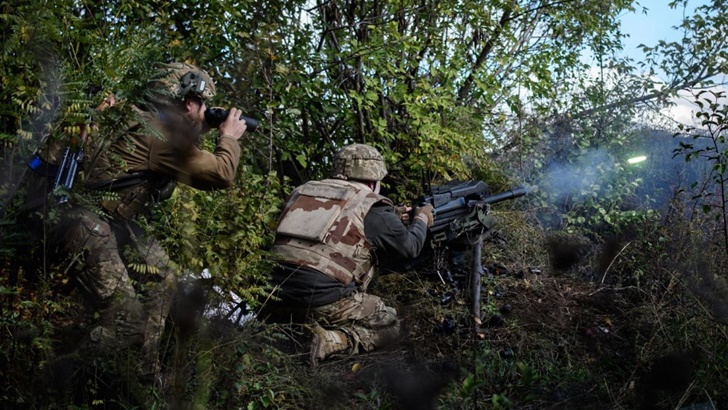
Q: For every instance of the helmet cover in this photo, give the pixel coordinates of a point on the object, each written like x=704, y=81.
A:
x=359, y=161
x=178, y=80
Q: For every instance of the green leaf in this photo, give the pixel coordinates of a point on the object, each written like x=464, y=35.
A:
x=301, y=158
x=468, y=384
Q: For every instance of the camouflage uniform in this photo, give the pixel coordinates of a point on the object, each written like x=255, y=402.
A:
x=126, y=277
x=326, y=253
x=125, y=274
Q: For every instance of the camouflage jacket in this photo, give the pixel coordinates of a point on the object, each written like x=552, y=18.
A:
x=157, y=150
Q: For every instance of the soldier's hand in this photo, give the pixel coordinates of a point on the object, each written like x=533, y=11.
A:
x=426, y=213
x=233, y=126
x=403, y=212
x=109, y=101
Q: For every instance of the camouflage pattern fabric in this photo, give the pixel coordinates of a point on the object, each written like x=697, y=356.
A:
x=178, y=79
x=359, y=161
x=364, y=318
x=126, y=277
x=322, y=227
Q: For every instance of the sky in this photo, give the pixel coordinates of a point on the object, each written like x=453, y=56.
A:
x=658, y=24
x=654, y=26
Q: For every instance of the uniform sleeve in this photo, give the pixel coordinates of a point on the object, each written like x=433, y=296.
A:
x=390, y=236
x=196, y=167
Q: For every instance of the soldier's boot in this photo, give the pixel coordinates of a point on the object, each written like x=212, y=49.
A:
x=326, y=343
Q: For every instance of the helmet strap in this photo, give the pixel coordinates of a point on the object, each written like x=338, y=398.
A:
x=376, y=186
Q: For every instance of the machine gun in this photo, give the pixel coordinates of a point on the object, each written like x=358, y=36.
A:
x=462, y=207
x=462, y=222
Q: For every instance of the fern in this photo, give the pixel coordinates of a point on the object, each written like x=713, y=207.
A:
x=144, y=269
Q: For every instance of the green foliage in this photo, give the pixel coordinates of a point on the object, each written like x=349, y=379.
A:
x=373, y=399
x=29, y=317
x=52, y=58
x=596, y=191
x=445, y=88
x=697, y=56
x=224, y=231
x=708, y=144
x=264, y=376
x=493, y=378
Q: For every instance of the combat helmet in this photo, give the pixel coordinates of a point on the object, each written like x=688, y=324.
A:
x=177, y=80
x=359, y=161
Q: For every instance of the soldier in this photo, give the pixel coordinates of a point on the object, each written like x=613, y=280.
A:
x=125, y=274
x=329, y=237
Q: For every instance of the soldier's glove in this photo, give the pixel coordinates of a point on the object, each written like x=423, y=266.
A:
x=426, y=214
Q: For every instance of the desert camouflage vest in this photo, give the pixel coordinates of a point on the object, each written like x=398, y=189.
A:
x=322, y=227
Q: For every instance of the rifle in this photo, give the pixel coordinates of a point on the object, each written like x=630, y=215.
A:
x=64, y=173
x=463, y=220
x=67, y=168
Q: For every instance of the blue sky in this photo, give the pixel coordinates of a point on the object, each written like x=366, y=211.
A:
x=658, y=24
x=654, y=26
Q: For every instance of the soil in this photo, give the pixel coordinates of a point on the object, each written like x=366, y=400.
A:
x=547, y=320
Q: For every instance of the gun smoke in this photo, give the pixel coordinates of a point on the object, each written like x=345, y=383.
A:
x=665, y=183
x=658, y=179
x=565, y=181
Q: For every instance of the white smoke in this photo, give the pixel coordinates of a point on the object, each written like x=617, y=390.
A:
x=576, y=178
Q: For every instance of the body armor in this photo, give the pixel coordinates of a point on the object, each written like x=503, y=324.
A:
x=322, y=227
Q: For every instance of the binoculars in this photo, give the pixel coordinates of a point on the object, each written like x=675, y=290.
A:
x=216, y=116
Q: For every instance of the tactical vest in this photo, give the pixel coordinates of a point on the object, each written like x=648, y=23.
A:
x=322, y=227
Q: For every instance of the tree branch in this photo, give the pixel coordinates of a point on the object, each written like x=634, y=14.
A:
x=641, y=99
x=487, y=48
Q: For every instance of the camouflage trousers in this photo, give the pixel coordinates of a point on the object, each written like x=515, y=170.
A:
x=125, y=276
x=365, y=319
